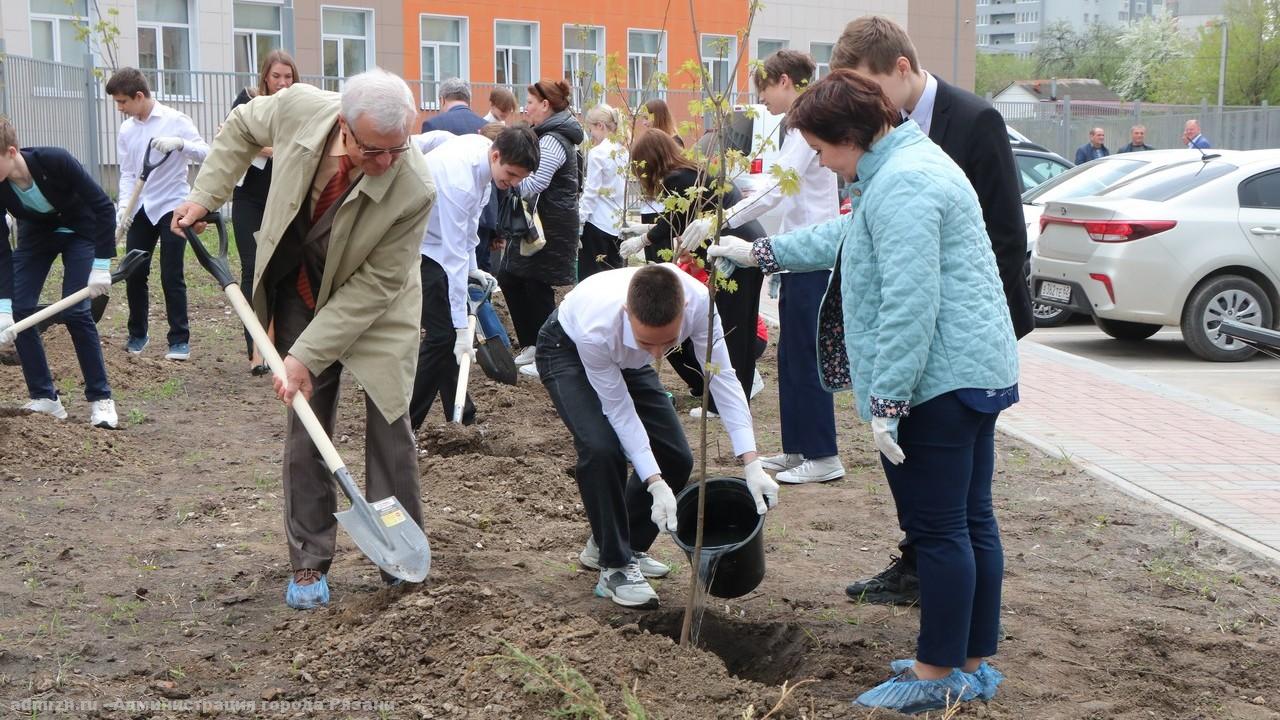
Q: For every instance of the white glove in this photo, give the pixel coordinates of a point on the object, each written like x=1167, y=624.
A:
x=885, y=432
x=632, y=246
x=167, y=144
x=6, y=320
x=123, y=218
x=463, y=346
x=627, y=231
x=763, y=489
x=696, y=232
x=735, y=250
x=489, y=282
x=663, y=513
x=100, y=278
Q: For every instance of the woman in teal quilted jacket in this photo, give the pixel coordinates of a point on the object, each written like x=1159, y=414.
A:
x=915, y=322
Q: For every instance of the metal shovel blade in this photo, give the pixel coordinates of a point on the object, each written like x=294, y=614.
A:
x=386, y=533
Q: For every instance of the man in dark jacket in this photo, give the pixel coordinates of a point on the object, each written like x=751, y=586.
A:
x=1093, y=149
x=456, y=115
x=1137, y=140
x=61, y=213
x=975, y=136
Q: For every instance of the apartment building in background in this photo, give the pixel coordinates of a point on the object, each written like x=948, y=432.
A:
x=1015, y=26
x=487, y=42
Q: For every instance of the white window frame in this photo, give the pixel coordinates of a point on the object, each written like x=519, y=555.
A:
x=431, y=100
x=600, y=60
x=370, y=35
x=255, y=64
x=821, y=69
x=761, y=55
x=728, y=60
x=519, y=89
x=638, y=94
x=158, y=26
x=57, y=19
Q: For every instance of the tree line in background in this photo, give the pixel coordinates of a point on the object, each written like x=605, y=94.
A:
x=1152, y=61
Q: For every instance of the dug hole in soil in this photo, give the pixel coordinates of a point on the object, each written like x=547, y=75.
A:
x=142, y=573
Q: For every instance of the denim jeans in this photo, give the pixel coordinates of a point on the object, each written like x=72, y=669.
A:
x=143, y=235
x=31, y=262
x=490, y=325
x=616, y=501
x=807, y=411
x=943, y=494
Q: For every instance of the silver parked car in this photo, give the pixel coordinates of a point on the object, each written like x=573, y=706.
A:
x=1081, y=180
x=1186, y=244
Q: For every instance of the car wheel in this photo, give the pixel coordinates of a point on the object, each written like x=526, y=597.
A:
x=1124, y=330
x=1227, y=296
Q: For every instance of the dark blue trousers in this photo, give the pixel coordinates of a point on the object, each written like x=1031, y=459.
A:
x=31, y=263
x=943, y=494
x=808, y=412
x=143, y=235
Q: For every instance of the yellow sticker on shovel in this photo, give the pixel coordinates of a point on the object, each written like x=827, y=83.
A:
x=393, y=518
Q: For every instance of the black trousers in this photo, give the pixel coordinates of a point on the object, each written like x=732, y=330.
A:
x=437, y=367
x=144, y=235
x=616, y=502
x=739, y=311
x=529, y=301
x=246, y=219
x=599, y=252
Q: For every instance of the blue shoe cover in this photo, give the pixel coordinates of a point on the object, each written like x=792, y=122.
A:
x=985, y=679
x=905, y=693
x=307, y=597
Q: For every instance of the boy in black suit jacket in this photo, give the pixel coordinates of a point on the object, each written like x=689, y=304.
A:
x=974, y=135
x=60, y=211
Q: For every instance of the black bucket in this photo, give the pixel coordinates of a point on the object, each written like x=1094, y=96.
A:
x=733, y=535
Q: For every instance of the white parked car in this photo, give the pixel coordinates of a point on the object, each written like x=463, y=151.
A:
x=1186, y=245
x=1080, y=181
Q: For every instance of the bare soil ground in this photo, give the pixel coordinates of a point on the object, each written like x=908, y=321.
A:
x=142, y=575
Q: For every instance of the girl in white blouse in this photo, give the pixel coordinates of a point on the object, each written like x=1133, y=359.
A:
x=602, y=194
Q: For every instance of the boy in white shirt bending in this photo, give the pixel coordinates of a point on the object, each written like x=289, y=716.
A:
x=150, y=124
x=462, y=168
x=595, y=355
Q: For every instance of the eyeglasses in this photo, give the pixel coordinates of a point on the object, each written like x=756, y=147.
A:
x=371, y=153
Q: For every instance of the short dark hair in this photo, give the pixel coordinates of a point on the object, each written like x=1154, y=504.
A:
x=792, y=63
x=129, y=81
x=843, y=107
x=875, y=42
x=518, y=145
x=655, y=296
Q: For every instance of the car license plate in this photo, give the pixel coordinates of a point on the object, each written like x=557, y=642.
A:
x=1055, y=291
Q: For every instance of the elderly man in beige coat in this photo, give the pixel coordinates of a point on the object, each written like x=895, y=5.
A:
x=337, y=272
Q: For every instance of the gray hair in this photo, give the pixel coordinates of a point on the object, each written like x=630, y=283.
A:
x=454, y=89
x=381, y=95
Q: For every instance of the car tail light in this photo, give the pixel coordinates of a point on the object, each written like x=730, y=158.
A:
x=757, y=166
x=1106, y=283
x=1112, y=231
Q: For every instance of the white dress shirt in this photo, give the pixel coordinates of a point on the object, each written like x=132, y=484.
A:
x=167, y=187
x=593, y=317
x=462, y=176
x=605, y=184
x=923, y=113
x=817, y=201
x=431, y=139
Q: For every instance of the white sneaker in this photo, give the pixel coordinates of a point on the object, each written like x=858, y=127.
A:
x=757, y=385
x=627, y=587
x=526, y=356
x=813, y=471
x=48, y=407
x=697, y=413
x=530, y=371
x=103, y=414
x=782, y=461
x=649, y=567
